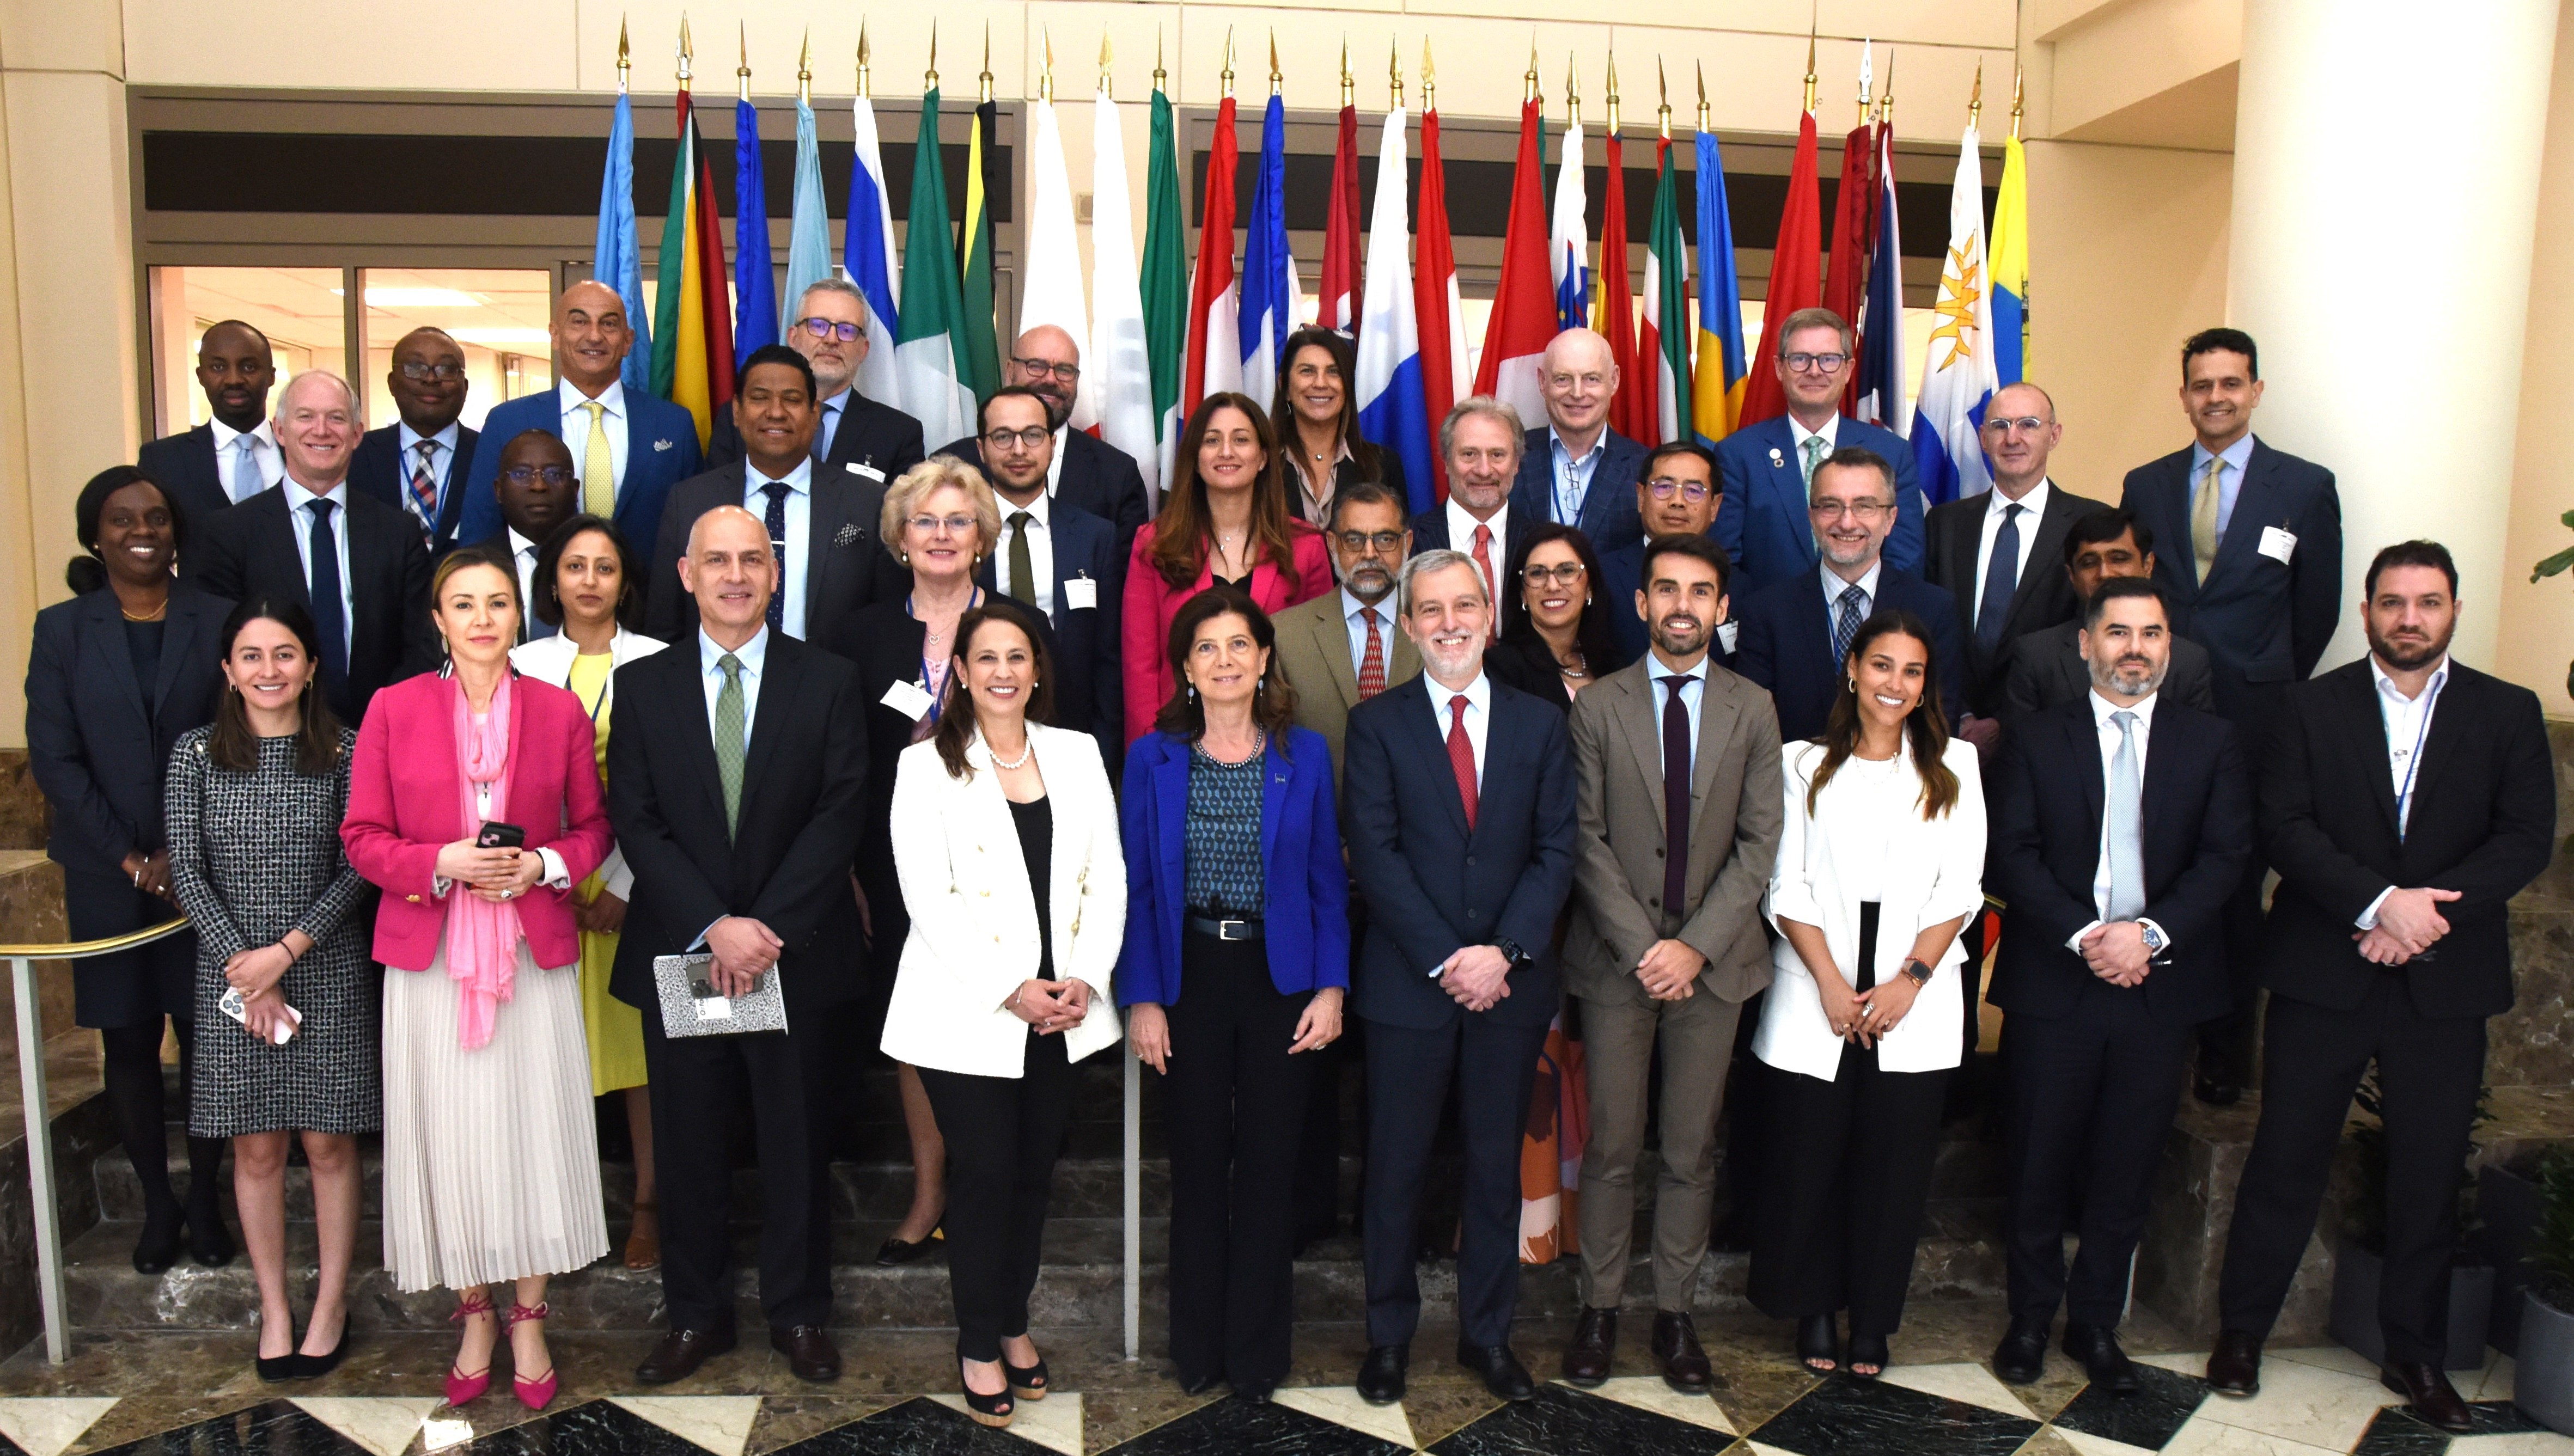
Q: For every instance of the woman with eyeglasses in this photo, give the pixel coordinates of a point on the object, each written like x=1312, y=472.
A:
x=1315, y=412
x=1555, y=627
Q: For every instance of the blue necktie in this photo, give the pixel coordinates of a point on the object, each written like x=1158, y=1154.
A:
x=777, y=492
x=1846, y=624
x=330, y=617
x=248, y=478
x=2002, y=578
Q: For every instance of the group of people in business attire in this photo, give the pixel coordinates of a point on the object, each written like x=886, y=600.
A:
x=981, y=757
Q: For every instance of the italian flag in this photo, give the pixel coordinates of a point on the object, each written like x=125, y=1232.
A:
x=1165, y=285
x=692, y=315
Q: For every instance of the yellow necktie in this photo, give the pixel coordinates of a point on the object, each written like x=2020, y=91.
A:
x=598, y=466
x=2203, y=516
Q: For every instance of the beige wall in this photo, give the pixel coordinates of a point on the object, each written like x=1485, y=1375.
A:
x=2537, y=638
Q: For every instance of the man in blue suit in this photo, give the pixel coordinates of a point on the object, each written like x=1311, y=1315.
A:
x=1577, y=471
x=1769, y=467
x=630, y=448
x=1460, y=807
x=1678, y=496
x=1795, y=633
x=416, y=464
x=1062, y=560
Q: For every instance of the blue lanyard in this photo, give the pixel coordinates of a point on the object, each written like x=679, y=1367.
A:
x=2414, y=761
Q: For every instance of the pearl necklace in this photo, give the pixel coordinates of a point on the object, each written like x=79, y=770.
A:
x=1026, y=748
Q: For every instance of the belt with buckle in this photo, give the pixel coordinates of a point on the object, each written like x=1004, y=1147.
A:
x=1226, y=930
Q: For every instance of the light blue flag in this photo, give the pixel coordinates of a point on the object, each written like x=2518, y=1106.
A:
x=809, y=237
x=615, y=258
x=754, y=281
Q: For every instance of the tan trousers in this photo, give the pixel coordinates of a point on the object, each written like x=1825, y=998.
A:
x=1618, y=1039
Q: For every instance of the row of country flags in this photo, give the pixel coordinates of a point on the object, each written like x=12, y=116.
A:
x=1157, y=336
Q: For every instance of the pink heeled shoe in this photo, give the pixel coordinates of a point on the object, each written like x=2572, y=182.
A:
x=461, y=1389
x=539, y=1393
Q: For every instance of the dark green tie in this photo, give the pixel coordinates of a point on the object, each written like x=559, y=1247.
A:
x=728, y=739
x=1023, y=574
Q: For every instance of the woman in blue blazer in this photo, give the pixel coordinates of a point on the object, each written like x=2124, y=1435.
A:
x=1237, y=897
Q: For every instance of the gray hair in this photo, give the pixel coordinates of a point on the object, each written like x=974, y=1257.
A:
x=1805, y=319
x=835, y=283
x=356, y=415
x=1437, y=559
x=1489, y=407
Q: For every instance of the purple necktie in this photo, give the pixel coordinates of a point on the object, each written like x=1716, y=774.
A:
x=1676, y=797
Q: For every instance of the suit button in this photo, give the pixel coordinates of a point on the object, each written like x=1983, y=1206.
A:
x=1658, y=852
x=1474, y=914
x=1654, y=901
x=414, y=899
x=1470, y=860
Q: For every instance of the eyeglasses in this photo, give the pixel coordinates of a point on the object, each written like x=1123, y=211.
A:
x=1836, y=509
x=931, y=526
x=554, y=476
x=1806, y=363
x=1569, y=573
x=832, y=329
x=2026, y=424
x=1038, y=369
x=443, y=373
x=1690, y=490
x=1360, y=543
x=1032, y=436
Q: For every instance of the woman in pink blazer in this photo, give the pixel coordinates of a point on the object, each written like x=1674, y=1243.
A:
x=1226, y=521
x=475, y=804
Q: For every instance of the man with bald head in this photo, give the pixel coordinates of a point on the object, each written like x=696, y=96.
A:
x=414, y=463
x=233, y=456
x=1576, y=471
x=857, y=436
x=1087, y=471
x=629, y=450
x=356, y=564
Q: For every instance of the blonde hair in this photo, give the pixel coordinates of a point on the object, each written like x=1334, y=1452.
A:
x=925, y=479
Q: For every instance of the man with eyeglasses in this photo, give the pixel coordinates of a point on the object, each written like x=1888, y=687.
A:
x=1769, y=467
x=1062, y=560
x=410, y=463
x=1678, y=495
x=858, y=436
x=536, y=486
x=1087, y=471
x=1340, y=651
x=1576, y=471
x=234, y=455
x=628, y=450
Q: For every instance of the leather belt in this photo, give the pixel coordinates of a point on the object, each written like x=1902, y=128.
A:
x=1226, y=930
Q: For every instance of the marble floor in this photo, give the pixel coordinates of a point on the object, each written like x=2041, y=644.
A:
x=195, y=1395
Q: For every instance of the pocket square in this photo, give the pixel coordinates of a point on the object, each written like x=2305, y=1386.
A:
x=661, y=444
x=848, y=536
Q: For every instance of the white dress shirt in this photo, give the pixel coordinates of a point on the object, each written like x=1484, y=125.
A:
x=1040, y=529
x=2230, y=481
x=1461, y=538
x=442, y=462
x=753, y=658
x=263, y=446
x=576, y=425
x=1385, y=630
x=2033, y=505
x=792, y=551
x=1798, y=435
x=2408, y=727
x=1694, y=702
x=1571, y=473
x=1479, y=712
x=1833, y=586
x=1054, y=467
x=299, y=509
x=2102, y=712
x=523, y=552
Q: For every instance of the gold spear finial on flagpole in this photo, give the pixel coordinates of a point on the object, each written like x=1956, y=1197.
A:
x=1613, y=93
x=1277, y=81
x=983, y=81
x=1045, y=77
x=1429, y=78
x=1528, y=86
x=1349, y=87
x=1813, y=27
x=625, y=61
x=741, y=77
x=1886, y=93
x=1662, y=111
x=804, y=68
x=1976, y=98
x=1103, y=65
x=2017, y=97
x=929, y=78
x=863, y=91
x=688, y=53
x=1394, y=74
x=1572, y=95
x=1701, y=96
x=1228, y=61
x=1867, y=65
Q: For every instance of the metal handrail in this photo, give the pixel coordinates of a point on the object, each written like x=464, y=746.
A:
x=40, y=1128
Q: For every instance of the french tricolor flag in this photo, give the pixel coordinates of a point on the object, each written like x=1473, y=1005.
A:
x=1271, y=300
x=1392, y=414
x=1214, y=364
x=1523, y=317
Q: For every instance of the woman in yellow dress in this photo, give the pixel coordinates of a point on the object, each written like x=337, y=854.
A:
x=587, y=586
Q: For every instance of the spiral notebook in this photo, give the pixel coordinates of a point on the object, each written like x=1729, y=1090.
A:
x=691, y=1006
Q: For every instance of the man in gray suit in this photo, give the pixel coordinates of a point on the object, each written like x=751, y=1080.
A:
x=1339, y=650
x=1675, y=763
x=2047, y=666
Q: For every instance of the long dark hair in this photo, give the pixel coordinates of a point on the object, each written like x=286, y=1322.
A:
x=83, y=574
x=1282, y=407
x=1180, y=533
x=1273, y=703
x=1591, y=634
x=1925, y=728
x=546, y=600
x=957, y=722
x=232, y=745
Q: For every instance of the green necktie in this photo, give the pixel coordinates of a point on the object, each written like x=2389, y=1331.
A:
x=1024, y=576
x=728, y=740
x=1813, y=456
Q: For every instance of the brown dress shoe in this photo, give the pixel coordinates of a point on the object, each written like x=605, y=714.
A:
x=1594, y=1348
x=2235, y=1367
x=808, y=1352
x=680, y=1354
x=1685, y=1366
x=2427, y=1390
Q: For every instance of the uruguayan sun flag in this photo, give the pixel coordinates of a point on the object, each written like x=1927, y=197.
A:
x=1391, y=412
x=869, y=257
x=1958, y=362
x=2011, y=264
x=1567, y=246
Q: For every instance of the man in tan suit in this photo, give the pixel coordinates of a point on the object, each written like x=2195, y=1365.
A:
x=1324, y=644
x=1676, y=765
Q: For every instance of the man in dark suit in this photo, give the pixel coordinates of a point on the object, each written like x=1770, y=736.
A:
x=2119, y=824
x=822, y=525
x=536, y=486
x=858, y=436
x=1062, y=560
x=1481, y=443
x=1087, y=471
x=1676, y=495
x=1769, y=467
x=234, y=455
x=356, y=564
x=736, y=778
x=2251, y=563
x=630, y=448
x=2047, y=666
x=2404, y=799
x=1576, y=470
x=1463, y=848
x=1795, y=639
x=1996, y=552
x=414, y=463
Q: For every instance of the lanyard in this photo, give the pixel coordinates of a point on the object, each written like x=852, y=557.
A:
x=2414, y=761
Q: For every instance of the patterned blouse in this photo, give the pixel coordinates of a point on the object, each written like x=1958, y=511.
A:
x=1224, y=873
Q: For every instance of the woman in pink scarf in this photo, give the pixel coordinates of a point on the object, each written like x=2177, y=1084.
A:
x=473, y=802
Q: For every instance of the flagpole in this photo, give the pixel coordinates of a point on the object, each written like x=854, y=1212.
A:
x=1394, y=74
x=864, y=93
x=624, y=62
x=983, y=81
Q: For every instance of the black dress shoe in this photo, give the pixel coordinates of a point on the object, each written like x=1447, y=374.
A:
x=2427, y=1390
x=1200, y=1384
x=2022, y=1356
x=897, y=1252
x=808, y=1353
x=1503, y=1373
x=2096, y=1347
x=2216, y=1092
x=314, y=1367
x=208, y=1243
x=158, y=1248
x=1684, y=1360
x=1594, y=1348
x=680, y=1354
x=1381, y=1373
x=2235, y=1367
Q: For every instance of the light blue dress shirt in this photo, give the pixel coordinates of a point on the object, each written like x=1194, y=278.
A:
x=1573, y=473
x=1692, y=691
x=753, y=656
x=800, y=534
x=2230, y=482
x=1350, y=608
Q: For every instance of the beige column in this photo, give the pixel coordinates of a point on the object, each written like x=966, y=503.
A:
x=2386, y=174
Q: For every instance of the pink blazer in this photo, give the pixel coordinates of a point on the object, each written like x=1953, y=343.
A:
x=1152, y=603
x=406, y=804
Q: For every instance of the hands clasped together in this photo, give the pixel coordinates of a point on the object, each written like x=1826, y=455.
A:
x=1148, y=1028
x=2408, y=921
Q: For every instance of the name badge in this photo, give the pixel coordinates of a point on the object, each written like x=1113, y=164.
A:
x=909, y=699
x=2277, y=544
x=714, y=1008
x=857, y=468
x=1081, y=593
x=1725, y=634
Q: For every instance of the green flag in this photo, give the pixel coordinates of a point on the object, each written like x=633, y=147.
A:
x=931, y=352
x=1662, y=348
x=1166, y=288
x=981, y=355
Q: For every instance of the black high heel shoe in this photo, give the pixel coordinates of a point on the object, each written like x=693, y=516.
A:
x=1818, y=1340
x=158, y=1248
x=1867, y=1350
x=314, y=1367
x=992, y=1410
x=274, y=1369
x=898, y=1250
x=1027, y=1382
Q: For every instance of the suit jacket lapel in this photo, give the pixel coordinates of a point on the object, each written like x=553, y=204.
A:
x=824, y=514
x=2438, y=747
x=781, y=676
x=2254, y=507
x=2094, y=775
x=1171, y=796
x=1959, y=534
x=1332, y=639
x=2040, y=550
x=1636, y=725
x=1787, y=478
x=1717, y=709
x=639, y=448
x=1273, y=798
x=178, y=644
x=2368, y=728
x=1421, y=722
x=1808, y=623
x=104, y=618
x=288, y=530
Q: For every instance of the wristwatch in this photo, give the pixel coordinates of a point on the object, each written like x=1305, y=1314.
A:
x=2154, y=938
x=1913, y=971
x=1510, y=949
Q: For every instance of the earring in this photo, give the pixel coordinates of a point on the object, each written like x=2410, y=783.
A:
x=1193, y=692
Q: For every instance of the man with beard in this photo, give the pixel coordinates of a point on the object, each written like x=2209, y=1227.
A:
x=2110, y=955
x=233, y=456
x=857, y=435
x=2404, y=800
x=1677, y=494
x=412, y=462
x=1061, y=559
x=1086, y=471
x=2047, y=666
x=1338, y=651
x=1666, y=940
x=1482, y=441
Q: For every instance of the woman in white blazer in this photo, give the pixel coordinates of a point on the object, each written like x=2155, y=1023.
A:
x=1005, y=840
x=1880, y=865
x=587, y=587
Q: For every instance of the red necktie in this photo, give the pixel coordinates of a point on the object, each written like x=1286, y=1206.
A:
x=1492, y=585
x=1461, y=757
x=1372, y=665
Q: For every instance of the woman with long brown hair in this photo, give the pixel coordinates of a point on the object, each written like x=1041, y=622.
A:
x=1880, y=865
x=1226, y=522
x=1315, y=412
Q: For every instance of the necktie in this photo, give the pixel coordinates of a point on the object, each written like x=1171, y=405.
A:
x=1023, y=574
x=1372, y=664
x=598, y=465
x=1845, y=623
x=2202, y=516
x=1676, y=797
x=2002, y=578
x=247, y=479
x=330, y=615
x=530, y=627
x=2126, y=825
x=1815, y=448
x=1461, y=757
x=424, y=488
x=730, y=739
x=1484, y=563
x=777, y=492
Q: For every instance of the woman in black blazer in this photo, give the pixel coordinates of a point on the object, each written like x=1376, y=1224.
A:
x=116, y=675
x=1555, y=629
x=1315, y=410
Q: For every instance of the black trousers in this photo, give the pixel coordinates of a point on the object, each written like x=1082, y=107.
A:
x=702, y=1089
x=2226, y=1044
x=1002, y=1135
x=1234, y=1103
x=2430, y=1070
x=2090, y=1097
x=1494, y=1068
